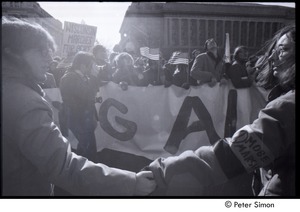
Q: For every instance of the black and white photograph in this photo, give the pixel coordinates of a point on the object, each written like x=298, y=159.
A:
x=149, y=100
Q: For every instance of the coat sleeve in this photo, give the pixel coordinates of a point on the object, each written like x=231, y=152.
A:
x=269, y=137
x=43, y=145
x=251, y=147
x=202, y=164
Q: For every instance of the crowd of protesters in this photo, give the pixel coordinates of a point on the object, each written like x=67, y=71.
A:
x=265, y=147
x=208, y=67
x=44, y=156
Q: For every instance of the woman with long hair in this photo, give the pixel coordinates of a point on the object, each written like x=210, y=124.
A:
x=266, y=147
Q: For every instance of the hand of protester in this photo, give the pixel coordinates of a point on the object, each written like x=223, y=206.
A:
x=123, y=85
x=223, y=82
x=145, y=183
x=185, y=85
x=199, y=82
x=213, y=82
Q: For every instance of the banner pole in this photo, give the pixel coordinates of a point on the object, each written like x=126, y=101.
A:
x=158, y=69
x=188, y=73
x=227, y=49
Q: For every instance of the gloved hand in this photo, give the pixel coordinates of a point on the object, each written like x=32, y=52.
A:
x=223, y=81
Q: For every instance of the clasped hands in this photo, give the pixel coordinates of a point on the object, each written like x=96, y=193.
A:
x=145, y=183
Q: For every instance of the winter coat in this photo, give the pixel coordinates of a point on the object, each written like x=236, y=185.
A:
x=78, y=94
x=35, y=154
x=238, y=74
x=206, y=66
x=268, y=143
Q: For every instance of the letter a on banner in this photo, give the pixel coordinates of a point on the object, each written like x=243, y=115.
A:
x=231, y=114
x=180, y=129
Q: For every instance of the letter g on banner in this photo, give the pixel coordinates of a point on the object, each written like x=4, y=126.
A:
x=131, y=127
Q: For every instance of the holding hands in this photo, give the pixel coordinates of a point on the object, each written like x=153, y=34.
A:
x=145, y=183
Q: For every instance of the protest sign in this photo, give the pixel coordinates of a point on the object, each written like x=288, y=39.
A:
x=77, y=37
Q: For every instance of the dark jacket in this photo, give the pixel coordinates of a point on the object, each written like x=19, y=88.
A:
x=181, y=76
x=238, y=74
x=78, y=94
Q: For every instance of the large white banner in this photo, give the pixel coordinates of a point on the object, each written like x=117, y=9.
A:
x=155, y=121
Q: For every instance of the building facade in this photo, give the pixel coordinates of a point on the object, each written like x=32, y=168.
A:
x=33, y=12
x=186, y=26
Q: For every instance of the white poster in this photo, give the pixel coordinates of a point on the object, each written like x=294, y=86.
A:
x=77, y=37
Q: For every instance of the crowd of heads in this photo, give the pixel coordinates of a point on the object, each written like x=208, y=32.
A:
x=142, y=71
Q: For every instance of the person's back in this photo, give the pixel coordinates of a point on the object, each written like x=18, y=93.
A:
x=76, y=94
x=78, y=91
